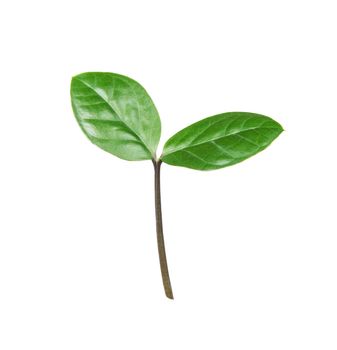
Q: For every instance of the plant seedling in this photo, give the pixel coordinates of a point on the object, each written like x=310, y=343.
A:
x=116, y=114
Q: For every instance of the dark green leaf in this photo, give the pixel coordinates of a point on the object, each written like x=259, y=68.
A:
x=220, y=141
x=116, y=114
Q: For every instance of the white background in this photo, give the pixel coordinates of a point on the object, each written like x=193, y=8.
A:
x=251, y=248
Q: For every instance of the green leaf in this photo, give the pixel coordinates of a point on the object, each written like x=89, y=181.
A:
x=220, y=141
x=116, y=114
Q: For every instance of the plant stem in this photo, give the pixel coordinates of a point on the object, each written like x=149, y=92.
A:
x=160, y=236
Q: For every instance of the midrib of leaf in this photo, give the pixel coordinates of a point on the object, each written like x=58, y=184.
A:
x=112, y=122
x=116, y=112
x=214, y=139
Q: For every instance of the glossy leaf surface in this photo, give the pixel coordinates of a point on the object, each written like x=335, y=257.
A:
x=220, y=141
x=116, y=114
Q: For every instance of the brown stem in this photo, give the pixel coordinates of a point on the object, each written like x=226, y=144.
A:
x=160, y=236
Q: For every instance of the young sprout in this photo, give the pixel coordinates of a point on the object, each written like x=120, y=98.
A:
x=116, y=114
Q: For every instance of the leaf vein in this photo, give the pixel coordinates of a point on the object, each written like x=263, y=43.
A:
x=215, y=139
